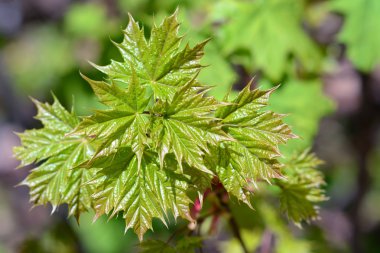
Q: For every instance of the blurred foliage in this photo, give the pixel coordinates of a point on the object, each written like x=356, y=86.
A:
x=183, y=245
x=87, y=20
x=38, y=58
x=58, y=238
x=360, y=32
x=96, y=236
x=269, y=231
x=271, y=32
x=296, y=98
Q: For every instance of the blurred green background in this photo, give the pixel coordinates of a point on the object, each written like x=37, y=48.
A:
x=325, y=54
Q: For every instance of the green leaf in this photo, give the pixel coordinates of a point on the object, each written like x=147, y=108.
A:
x=57, y=179
x=271, y=31
x=258, y=131
x=257, y=134
x=159, y=63
x=301, y=190
x=360, y=31
x=180, y=124
x=187, y=126
x=141, y=192
x=125, y=123
x=235, y=179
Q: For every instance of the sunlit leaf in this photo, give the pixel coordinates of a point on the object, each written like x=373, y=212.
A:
x=187, y=126
x=257, y=134
x=57, y=179
x=142, y=192
x=159, y=63
x=125, y=123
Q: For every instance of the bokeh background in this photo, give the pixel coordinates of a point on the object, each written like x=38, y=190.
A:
x=325, y=54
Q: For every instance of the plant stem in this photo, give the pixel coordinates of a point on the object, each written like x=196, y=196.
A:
x=220, y=191
x=236, y=231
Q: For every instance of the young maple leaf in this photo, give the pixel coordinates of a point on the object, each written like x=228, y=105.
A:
x=187, y=126
x=56, y=179
x=137, y=126
x=141, y=192
x=125, y=123
x=301, y=191
x=159, y=63
x=257, y=134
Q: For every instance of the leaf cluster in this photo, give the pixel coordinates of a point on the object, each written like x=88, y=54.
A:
x=160, y=141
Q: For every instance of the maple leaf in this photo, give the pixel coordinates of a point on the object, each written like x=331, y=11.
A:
x=56, y=179
x=301, y=191
x=234, y=178
x=159, y=63
x=257, y=134
x=360, y=31
x=181, y=125
x=140, y=192
x=187, y=126
x=125, y=123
